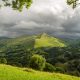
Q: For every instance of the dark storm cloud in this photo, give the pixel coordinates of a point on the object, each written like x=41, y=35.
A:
x=51, y=16
x=72, y=24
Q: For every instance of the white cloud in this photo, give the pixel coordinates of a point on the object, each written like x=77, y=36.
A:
x=52, y=16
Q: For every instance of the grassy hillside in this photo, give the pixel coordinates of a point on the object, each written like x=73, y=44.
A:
x=28, y=42
x=48, y=41
x=14, y=73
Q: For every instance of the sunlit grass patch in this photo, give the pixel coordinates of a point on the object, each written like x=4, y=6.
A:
x=14, y=73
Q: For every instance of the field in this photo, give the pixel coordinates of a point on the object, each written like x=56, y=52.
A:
x=14, y=73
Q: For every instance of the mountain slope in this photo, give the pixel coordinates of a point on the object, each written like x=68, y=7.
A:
x=48, y=41
x=19, y=50
x=14, y=73
x=36, y=41
x=4, y=38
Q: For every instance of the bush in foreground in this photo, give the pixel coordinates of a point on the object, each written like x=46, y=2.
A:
x=3, y=61
x=49, y=67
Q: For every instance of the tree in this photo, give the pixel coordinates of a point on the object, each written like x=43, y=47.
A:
x=37, y=62
x=72, y=2
x=17, y=4
x=49, y=67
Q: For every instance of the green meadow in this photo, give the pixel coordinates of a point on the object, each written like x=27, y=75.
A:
x=8, y=72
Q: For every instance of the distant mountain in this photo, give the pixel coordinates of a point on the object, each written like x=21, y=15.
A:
x=4, y=38
x=71, y=41
x=39, y=40
x=35, y=41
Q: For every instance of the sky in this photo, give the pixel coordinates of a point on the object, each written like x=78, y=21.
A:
x=54, y=17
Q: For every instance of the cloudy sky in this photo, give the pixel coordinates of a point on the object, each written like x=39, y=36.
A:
x=51, y=16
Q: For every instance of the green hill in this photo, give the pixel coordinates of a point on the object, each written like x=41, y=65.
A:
x=36, y=41
x=14, y=73
x=18, y=51
x=48, y=41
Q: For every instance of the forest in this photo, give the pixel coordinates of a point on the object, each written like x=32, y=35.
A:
x=58, y=57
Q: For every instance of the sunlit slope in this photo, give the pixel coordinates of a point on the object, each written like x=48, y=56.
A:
x=29, y=42
x=14, y=73
x=48, y=41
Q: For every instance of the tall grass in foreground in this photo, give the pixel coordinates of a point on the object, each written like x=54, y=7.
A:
x=14, y=73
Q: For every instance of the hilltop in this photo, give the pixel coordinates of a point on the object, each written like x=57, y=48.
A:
x=46, y=40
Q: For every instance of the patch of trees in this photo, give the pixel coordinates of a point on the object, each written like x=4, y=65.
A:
x=3, y=61
x=16, y=4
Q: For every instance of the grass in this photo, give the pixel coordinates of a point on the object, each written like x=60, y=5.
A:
x=14, y=73
x=48, y=41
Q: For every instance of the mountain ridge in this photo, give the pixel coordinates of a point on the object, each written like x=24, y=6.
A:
x=35, y=41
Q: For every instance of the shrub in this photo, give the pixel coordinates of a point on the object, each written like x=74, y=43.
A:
x=3, y=61
x=16, y=64
x=49, y=67
x=37, y=62
x=60, y=69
